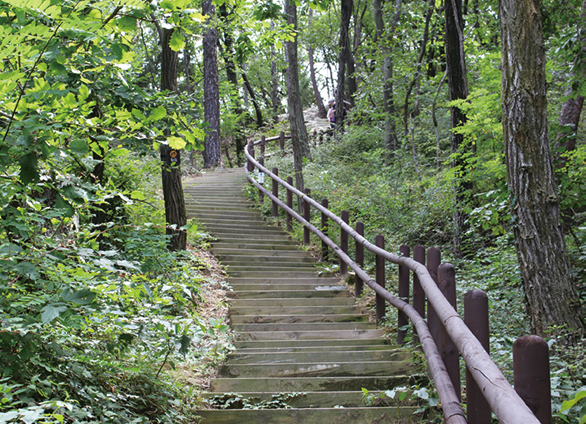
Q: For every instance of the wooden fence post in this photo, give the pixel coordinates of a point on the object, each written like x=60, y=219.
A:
x=418, y=293
x=275, y=193
x=324, y=230
x=262, y=146
x=358, y=283
x=282, y=142
x=306, y=216
x=379, y=241
x=345, y=215
x=446, y=275
x=531, y=375
x=434, y=258
x=251, y=151
x=261, y=195
x=476, y=318
x=402, y=320
x=289, y=203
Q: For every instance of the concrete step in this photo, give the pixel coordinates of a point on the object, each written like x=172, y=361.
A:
x=282, y=281
x=295, y=318
x=303, y=326
x=305, y=384
x=276, y=273
x=238, y=287
x=312, y=369
x=291, y=310
x=310, y=335
x=313, y=355
x=333, y=344
x=281, y=257
x=365, y=415
x=285, y=302
x=273, y=294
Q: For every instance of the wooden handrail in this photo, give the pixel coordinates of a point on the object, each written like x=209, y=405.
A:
x=502, y=398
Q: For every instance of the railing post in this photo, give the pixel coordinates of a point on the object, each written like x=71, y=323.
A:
x=306, y=216
x=446, y=275
x=379, y=241
x=344, y=242
x=402, y=320
x=282, y=142
x=324, y=230
x=434, y=258
x=262, y=146
x=476, y=318
x=418, y=293
x=358, y=283
x=275, y=193
x=261, y=195
x=251, y=151
x=289, y=204
x=531, y=375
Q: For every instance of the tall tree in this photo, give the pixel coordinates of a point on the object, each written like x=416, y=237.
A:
x=552, y=302
x=345, y=51
x=391, y=141
x=458, y=89
x=231, y=74
x=212, y=154
x=172, y=189
x=299, y=137
x=321, y=110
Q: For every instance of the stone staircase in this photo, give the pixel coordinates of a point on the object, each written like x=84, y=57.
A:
x=302, y=347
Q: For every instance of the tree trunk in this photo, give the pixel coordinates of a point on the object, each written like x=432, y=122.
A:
x=259, y=119
x=275, y=98
x=321, y=110
x=299, y=137
x=232, y=76
x=391, y=140
x=458, y=88
x=212, y=154
x=344, y=44
x=552, y=302
x=571, y=108
x=175, y=214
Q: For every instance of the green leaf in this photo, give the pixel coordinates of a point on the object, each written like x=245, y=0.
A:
x=568, y=404
x=10, y=249
x=138, y=195
x=61, y=203
x=177, y=42
x=158, y=114
x=81, y=297
x=28, y=270
x=28, y=168
x=50, y=312
x=176, y=143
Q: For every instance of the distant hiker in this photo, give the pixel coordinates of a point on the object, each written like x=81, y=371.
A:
x=332, y=114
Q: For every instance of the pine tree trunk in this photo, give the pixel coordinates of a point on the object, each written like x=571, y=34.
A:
x=172, y=189
x=299, y=137
x=321, y=110
x=458, y=89
x=232, y=76
x=391, y=141
x=212, y=154
x=552, y=302
x=344, y=45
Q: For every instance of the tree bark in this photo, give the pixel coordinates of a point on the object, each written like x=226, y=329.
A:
x=391, y=140
x=275, y=98
x=257, y=110
x=299, y=137
x=344, y=45
x=321, y=110
x=552, y=302
x=458, y=89
x=175, y=214
x=212, y=154
x=232, y=76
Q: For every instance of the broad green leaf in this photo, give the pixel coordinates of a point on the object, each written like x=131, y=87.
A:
x=27, y=269
x=177, y=42
x=61, y=203
x=120, y=152
x=138, y=195
x=158, y=114
x=10, y=249
x=176, y=143
x=568, y=404
x=50, y=312
x=81, y=297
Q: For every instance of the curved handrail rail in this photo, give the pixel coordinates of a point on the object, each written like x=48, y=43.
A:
x=500, y=395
